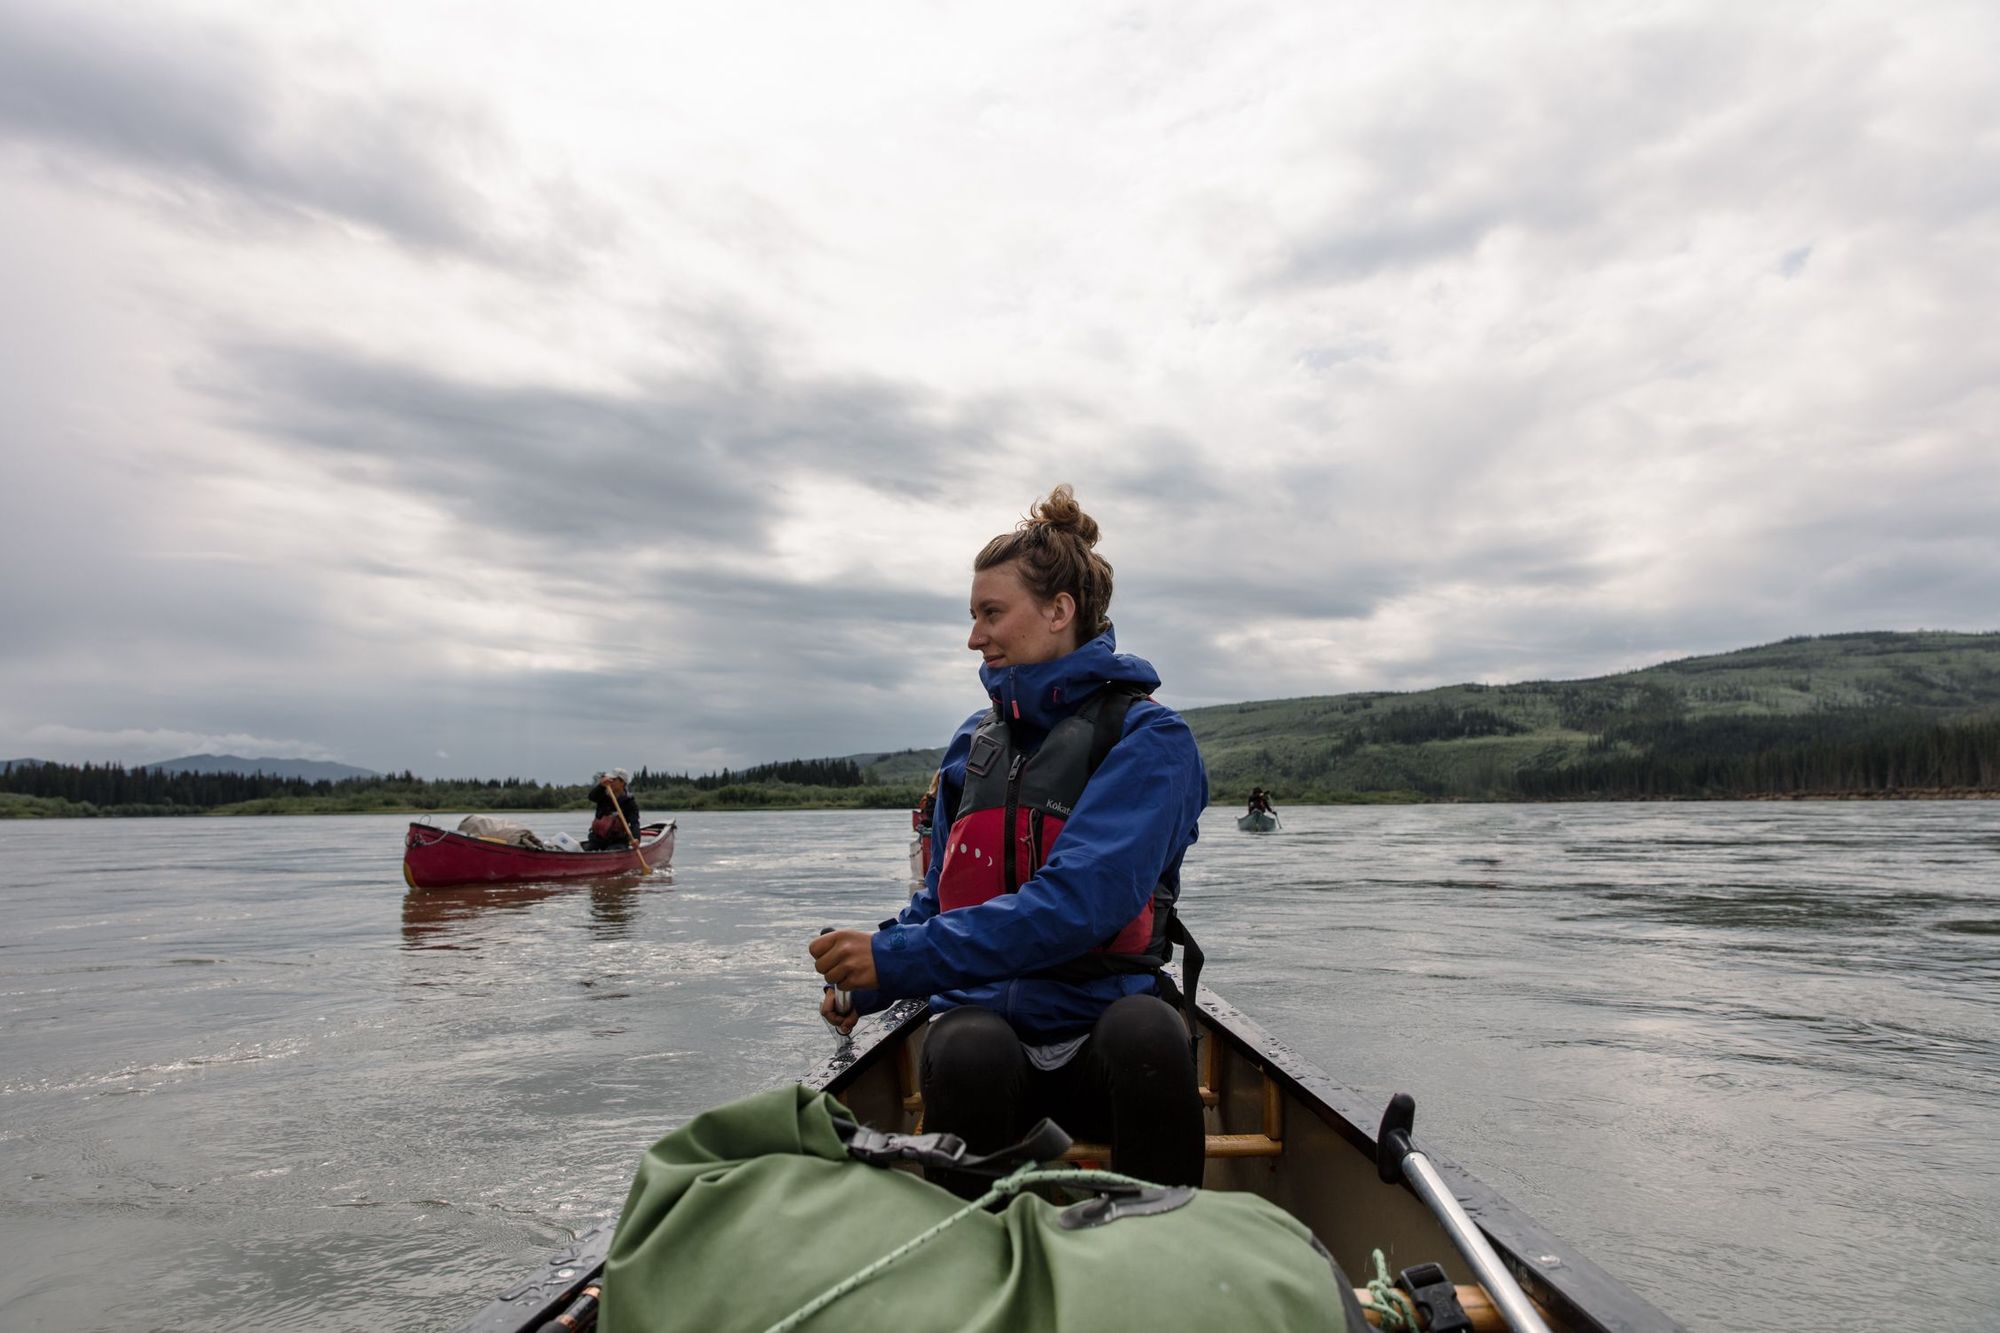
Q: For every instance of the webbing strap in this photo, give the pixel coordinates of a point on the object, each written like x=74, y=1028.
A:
x=1191, y=960
x=1118, y=699
x=1044, y=1143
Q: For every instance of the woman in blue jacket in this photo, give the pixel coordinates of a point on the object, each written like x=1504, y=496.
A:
x=1063, y=812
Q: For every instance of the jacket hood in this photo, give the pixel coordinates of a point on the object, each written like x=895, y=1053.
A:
x=1044, y=693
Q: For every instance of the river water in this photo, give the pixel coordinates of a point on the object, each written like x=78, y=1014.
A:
x=1746, y=1057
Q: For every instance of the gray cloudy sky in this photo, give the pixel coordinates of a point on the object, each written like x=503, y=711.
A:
x=517, y=388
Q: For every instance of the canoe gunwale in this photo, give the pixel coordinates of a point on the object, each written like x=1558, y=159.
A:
x=549, y=1289
x=872, y=1042
x=1590, y=1294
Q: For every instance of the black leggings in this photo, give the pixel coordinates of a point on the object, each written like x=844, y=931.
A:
x=1132, y=1083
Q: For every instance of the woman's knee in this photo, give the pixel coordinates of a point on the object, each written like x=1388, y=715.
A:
x=969, y=1044
x=1143, y=1031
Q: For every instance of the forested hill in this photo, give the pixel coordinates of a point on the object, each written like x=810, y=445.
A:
x=1845, y=713
x=1838, y=714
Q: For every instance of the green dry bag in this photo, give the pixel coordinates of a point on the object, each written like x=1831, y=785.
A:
x=754, y=1212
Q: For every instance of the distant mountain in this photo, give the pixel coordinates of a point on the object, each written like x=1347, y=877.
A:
x=307, y=770
x=7, y=765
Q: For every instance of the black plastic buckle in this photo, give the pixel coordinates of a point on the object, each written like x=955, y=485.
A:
x=880, y=1149
x=1044, y=1143
x=1435, y=1298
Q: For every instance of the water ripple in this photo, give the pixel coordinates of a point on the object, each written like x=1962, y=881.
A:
x=251, y=1082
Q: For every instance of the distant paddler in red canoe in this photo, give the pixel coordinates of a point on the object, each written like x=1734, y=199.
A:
x=486, y=850
x=438, y=858
x=617, y=811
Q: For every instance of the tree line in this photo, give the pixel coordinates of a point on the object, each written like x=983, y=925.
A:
x=114, y=789
x=1825, y=753
x=797, y=772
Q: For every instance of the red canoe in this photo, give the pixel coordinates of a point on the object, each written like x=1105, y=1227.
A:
x=435, y=857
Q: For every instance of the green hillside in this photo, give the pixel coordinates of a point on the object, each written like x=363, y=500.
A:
x=1844, y=712
x=899, y=767
x=1864, y=713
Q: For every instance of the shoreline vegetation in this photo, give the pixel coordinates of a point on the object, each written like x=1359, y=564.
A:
x=1895, y=716
x=111, y=790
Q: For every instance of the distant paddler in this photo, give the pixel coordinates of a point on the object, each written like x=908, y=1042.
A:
x=617, y=812
x=1261, y=817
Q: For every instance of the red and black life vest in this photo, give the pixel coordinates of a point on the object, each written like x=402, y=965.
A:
x=1034, y=795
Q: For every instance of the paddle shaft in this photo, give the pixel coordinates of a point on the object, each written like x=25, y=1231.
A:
x=1397, y=1159
x=1505, y=1292
x=626, y=824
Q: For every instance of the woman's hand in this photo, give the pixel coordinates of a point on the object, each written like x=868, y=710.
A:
x=842, y=1023
x=846, y=958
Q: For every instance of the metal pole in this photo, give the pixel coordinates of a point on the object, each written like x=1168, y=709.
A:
x=1465, y=1234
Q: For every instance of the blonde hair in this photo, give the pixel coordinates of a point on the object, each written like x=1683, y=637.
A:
x=1053, y=548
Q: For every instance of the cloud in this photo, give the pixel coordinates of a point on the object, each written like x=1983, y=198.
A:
x=676, y=464
x=650, y=394
x=206, y=111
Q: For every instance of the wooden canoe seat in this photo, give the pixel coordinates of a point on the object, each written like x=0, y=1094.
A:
x=1270, y=1143
x=1213, y=1145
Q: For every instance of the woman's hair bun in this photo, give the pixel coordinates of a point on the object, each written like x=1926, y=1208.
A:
x=1052, y=549
x=1061, y=512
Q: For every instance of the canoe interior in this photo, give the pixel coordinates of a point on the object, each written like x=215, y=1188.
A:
x=1323, y=1173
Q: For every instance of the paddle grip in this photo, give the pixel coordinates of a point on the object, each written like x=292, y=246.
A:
x=843, y=1003
x=1392, y=1141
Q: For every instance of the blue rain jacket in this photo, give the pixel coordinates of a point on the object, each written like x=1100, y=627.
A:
x=1135, y=821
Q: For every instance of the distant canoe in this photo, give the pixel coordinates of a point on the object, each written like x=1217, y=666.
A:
x=434, y=858
x=1260, y=821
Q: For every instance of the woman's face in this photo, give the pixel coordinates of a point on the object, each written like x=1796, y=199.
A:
x=1011, y=628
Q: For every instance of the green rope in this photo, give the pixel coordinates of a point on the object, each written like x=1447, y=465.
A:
x=1013, y=1183
x=1390, y=1301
